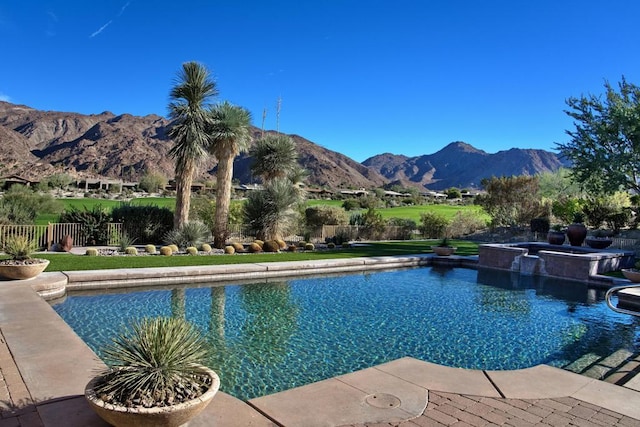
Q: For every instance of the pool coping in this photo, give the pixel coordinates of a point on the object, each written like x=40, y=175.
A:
x=45, y=365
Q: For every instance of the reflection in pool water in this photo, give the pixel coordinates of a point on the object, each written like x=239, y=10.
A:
x=273, y=336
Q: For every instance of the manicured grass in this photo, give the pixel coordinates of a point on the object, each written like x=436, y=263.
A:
x=412, y=212
x=408, y=212
x=70, y=262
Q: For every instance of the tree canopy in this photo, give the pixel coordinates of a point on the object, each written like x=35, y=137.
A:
x=189, y=114
x=605, y=145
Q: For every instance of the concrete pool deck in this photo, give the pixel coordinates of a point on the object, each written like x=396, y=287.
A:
x=44, y=367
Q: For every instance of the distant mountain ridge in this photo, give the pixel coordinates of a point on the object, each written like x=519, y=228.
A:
x=462, y=165
x=39, y=143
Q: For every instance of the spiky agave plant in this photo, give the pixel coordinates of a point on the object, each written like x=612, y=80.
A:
x=154, y=363
x=19, y=248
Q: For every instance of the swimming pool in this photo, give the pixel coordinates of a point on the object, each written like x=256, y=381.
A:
x=275, y=335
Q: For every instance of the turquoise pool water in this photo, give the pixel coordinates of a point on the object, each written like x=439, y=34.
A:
x=272, y=336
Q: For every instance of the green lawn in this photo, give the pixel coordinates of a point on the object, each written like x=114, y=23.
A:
x=412, y=212
x=409, y=212
x=69, y=262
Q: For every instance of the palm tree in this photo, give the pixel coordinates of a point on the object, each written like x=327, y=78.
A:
x=230, y=132
x=274, y=156
x=188, y=109
x=271, y=212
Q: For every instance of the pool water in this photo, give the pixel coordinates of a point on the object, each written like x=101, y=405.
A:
x=275, y=335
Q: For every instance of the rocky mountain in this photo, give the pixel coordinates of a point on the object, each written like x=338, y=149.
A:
x=462, y=165
x=38, y=143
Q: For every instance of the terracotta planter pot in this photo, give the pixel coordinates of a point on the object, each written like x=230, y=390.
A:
x=556, y=237
x=168, y=416
x=23, y=271
x=443, y=250
x=576, y=233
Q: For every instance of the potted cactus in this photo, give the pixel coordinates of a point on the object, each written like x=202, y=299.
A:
x=20, y=265
x=155, y=375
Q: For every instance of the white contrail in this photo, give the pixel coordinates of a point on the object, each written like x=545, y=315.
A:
x=123, y=8
x=109, y=23
x=101, y=29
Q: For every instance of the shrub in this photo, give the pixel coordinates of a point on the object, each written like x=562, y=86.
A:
x=301, y=243
x=540, y=225
x=254, y=247
x=21, y=205
x=464, y=223
x=317, y=216
x=91, y=252
x=144, y=223
x=331, y=245
x=239, y=247
x=192, y=250
x=152, y=182
x=19, y=247
x=512, y=201
x=346, y=245
x=309, y=247
x=406, y=227
x=166, y=251
x=229, y=250
x=271, y=246
x=259, y=242
x=433, y=225
x=293, y=248
x=94, y=224
x=344, y=235
x=174, y=248
x=281, y=243
x=205, y=247
x=131, y=250
x=619, y=220
x=150, y=249
x=350, y=204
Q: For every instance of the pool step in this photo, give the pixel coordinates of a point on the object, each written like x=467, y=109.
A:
x=617, y=368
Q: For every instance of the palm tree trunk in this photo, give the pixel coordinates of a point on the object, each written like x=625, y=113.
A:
x=184, y=179
x=223, y=199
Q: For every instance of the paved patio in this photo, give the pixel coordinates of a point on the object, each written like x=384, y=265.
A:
x=44, y=366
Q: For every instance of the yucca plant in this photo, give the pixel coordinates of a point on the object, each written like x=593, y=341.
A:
x=19, y=248
x=192, y=233
x=125, y=241
x=154, y=363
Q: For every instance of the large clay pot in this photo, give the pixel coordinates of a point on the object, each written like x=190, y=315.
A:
x=556, y=237
x=576, y=233
x=168, y=416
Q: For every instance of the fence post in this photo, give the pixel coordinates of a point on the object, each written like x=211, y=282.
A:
x=49, y=235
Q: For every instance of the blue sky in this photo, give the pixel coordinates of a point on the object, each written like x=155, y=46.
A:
x=358, y=77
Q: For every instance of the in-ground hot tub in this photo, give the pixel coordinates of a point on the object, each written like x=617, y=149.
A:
x=563, y=261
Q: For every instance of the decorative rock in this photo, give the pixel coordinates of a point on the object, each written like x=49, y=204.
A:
x=66, y=243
